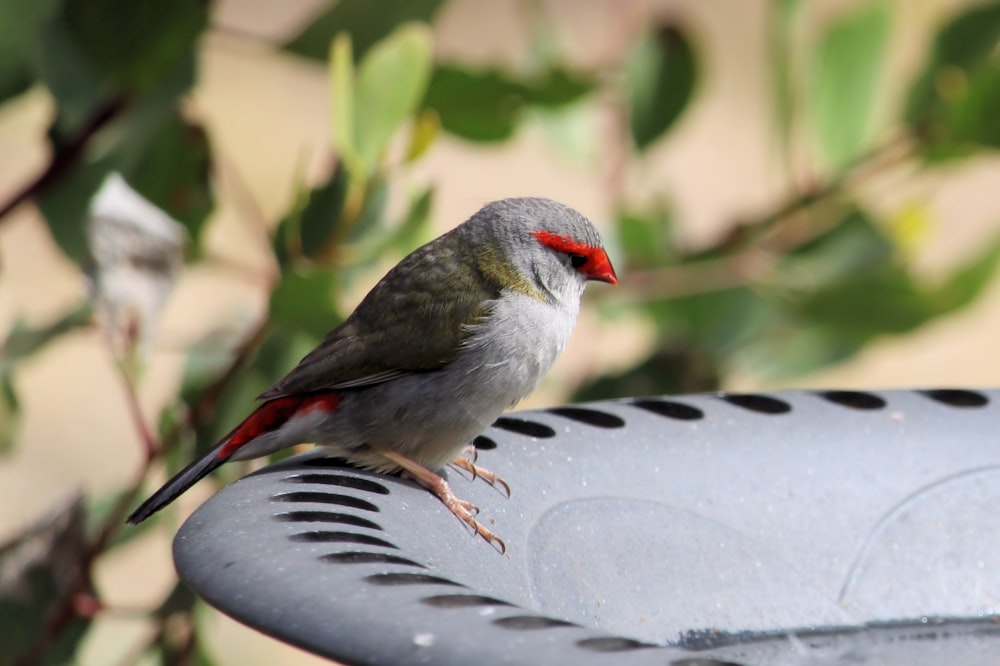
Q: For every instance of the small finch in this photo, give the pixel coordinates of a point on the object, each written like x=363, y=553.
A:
x=458, y=332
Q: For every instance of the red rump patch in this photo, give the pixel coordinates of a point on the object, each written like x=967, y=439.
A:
x=598, y=266
x=273, y=414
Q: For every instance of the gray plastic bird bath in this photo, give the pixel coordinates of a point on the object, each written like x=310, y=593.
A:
x=788, y=528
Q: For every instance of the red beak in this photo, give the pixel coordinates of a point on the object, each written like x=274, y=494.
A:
x=599, y=268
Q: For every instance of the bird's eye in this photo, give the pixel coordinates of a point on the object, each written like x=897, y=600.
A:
x=577, y=260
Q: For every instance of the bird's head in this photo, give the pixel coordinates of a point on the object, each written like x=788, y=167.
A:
x=540, y=247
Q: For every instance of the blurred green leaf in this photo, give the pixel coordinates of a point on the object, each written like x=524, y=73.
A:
x=646, y=238
x=372, y=213
x=20, y=27
x=24, y=340
x=303, y=301
x=390, y=83
x=341, y=76
x=853, y=245
x=64, y=206
x=963, y=46
x=845, y=76
x=553, y=88
x=670, y=370
x=780, y=35
x=793, y=347
x=885, y=300
x=76, y=83
x=172, y=168
x=323, y=213
x=889, y=300
x=969, y=280
x=974, y=114
x=10, y=419
x=423, y=134
x=486, y=104
x=357, y=18
x=137, y=42
x=660, y=81
x=408, y=235
x=717, y=322
x=38, y=569
x=478, y=105
x=206, y=362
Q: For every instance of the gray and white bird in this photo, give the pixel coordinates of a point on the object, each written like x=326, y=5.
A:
x=458, y=332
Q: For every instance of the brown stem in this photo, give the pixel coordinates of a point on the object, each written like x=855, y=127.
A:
x=65, y=156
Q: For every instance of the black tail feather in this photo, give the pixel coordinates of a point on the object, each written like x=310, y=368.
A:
x=180, y=482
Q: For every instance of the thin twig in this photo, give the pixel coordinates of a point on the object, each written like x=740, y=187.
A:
x=65, y=156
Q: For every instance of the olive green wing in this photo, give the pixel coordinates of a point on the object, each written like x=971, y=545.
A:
x=413, y=320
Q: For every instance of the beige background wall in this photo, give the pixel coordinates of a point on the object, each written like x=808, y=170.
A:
x=266, y=110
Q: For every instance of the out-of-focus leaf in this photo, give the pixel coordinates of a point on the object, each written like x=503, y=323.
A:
x=793, y=347
x=486, y=104
x=646, y=237
x=476, y=105
x=554, y=88
x=668, y=371
x=20, y=24
x=76, y=83
x=855, y=245
x=390, y=84
x=424, y=132
x=150, y=143
x=973, y=115
x=137, y=252
x=99, y=511
x=965, y=45
x=65, y=204
x=845, y=74
x=886, y=300
x=10, y=419
x=323, y=213
x=407, y=236
x=780, y=34
x=574, y=130
x=372, y=213
x=889, y=300
x=38, y=569
x=718, y=322
x=23, y=340
x=181, y=599
x=173, y=171
x=365, y=22
x=138, y=42
x=969, y=280
x=660, y=81
x=303, y=301
x=207, y=360
x=341, y=75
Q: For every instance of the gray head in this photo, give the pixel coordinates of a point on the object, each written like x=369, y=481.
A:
x=550, y=246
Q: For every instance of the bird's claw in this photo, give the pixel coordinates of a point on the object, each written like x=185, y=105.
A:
x=476, y=471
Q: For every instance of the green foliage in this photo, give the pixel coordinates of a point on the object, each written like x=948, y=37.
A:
x=357, y=18
x=805, y=285
x=487, y=105
x=954, y=103
x=660, y=80
x=846, y=76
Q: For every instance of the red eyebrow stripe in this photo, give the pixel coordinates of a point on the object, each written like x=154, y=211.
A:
x=599, y=266
x=561, y=243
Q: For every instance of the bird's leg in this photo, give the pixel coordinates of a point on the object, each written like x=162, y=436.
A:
x=465, y=511
x=475, y=470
